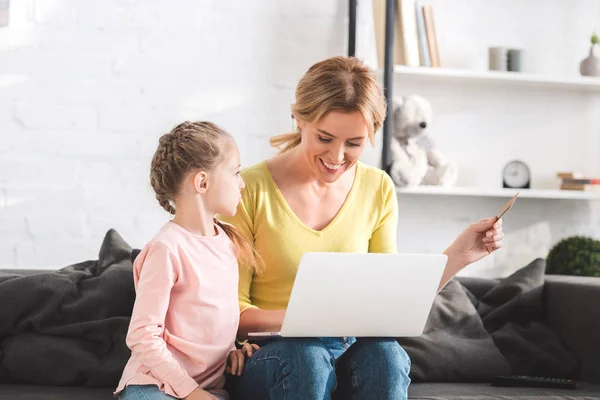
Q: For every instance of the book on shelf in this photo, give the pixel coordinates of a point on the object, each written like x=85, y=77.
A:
x=583, y=181
x=424, y=56
x=583, y=187
x=415, y=40
x=379, y=24
x=569, y=175
x=434, y=51
x=408, y=39
x=4, y=15
x=578, y=181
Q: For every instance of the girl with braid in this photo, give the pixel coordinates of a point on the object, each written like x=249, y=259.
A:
x=185, y=317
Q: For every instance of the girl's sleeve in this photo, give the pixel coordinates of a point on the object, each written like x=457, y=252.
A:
x=383, y=239
x=155, y=272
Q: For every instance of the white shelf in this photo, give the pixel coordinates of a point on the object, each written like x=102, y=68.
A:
x=500, y=192
x=575, y=82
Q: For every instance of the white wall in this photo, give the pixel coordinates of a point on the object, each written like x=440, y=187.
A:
x=86, y=88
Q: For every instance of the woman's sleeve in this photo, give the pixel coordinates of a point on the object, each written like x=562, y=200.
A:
x=155, y=272
x=243, y=222
x=383, y=239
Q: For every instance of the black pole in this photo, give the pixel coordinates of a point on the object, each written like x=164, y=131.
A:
x=388, y=73
x=352, y=29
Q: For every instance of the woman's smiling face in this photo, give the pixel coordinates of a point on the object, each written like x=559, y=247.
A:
x=332, y=145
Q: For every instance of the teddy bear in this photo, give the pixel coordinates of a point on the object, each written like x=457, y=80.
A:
x=415, y=159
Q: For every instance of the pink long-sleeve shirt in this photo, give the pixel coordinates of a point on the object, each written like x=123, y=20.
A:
x=186, y=312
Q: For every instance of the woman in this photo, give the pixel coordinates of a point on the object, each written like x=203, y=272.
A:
x=315, y=196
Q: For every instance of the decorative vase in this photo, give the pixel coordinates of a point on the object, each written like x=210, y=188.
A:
x=591, y=65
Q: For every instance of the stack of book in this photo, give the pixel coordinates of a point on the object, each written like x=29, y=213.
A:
x=578, y=181
x=415, y=40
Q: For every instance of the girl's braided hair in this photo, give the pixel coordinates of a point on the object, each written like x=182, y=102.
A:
x=195, y=146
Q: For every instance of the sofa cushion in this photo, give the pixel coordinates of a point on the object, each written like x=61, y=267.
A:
x=68, y=327
x=454, y=346
x=466, y=391
x=476, y=285
x=513, y=313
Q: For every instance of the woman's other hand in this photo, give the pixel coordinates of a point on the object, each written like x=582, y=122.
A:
x=236, y=359
x=477, y=241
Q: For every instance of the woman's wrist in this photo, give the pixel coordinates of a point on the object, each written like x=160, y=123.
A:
x=455, y=262
x=453, y=266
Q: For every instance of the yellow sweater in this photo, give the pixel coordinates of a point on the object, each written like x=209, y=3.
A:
x=366, y=222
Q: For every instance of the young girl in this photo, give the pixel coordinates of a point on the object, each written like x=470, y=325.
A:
x=185, y=318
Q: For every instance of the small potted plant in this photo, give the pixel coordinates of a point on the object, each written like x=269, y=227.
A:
x=591, y=65
x=575, y=255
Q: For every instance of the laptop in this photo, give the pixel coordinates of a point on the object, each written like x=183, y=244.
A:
x=361, y=295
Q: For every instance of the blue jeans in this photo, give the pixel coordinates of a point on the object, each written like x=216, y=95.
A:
x=150, y=392
x=316, y=369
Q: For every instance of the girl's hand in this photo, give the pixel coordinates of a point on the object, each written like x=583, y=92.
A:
x=477, y=241
x=235, y=361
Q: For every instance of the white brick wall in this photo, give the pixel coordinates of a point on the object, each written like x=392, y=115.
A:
x=86, y=89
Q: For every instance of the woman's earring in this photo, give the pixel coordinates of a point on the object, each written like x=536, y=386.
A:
x=295, y=127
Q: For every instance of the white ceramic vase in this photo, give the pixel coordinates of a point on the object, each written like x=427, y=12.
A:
x=590, y=66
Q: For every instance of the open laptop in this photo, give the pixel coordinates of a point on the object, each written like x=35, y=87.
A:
x=361, y=295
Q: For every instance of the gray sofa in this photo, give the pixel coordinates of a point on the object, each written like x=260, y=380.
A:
x=572, y=309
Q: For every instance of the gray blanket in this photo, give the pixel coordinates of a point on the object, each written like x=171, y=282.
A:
x=68, y=327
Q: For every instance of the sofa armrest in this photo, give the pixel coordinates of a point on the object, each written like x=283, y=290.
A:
x=573, y=310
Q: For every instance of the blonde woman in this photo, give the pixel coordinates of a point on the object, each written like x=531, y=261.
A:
x=315, y=196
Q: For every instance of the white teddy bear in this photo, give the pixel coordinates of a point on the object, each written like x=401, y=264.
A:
x=415, y=160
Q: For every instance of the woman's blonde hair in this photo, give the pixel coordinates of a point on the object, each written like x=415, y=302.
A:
x=195, y=146
x=342, y=84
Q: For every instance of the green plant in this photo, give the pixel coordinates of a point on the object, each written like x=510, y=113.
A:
x=595, y=39
x=575, y=255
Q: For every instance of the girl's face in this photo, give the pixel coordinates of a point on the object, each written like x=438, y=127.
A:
x=334, y=144
x=225, y=184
